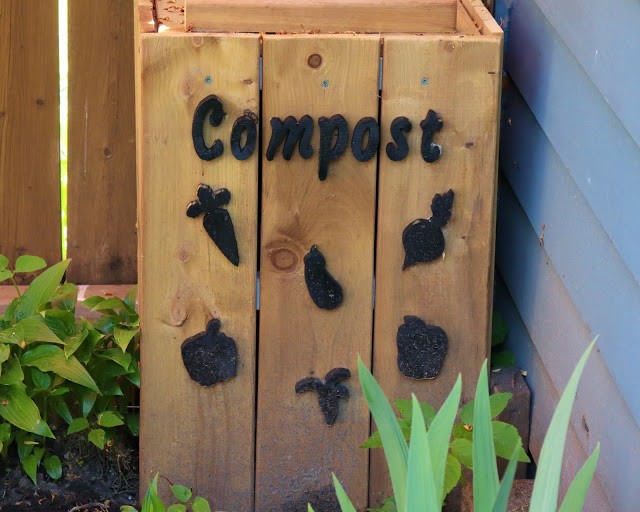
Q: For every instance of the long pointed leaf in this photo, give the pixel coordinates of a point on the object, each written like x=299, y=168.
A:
x=421, y=488
x=41, y=290
x=485, y=471
x=502, y=500
x=577, y=492
x=393, y=442
x=343, y=499
x=439, y=436
x=19, y=410
x=50, y=358
x=545, y=489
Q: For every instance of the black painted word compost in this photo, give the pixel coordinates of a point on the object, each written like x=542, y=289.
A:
x=217, y=221
x=291, y=132
x=329, y=391
x=211, y=356
x=325, y=291
x=423, y=239
x=421, y=348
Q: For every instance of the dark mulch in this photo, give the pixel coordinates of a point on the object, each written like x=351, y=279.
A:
x=92, y=480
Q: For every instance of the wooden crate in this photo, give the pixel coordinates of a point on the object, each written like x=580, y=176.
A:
x=251, y=442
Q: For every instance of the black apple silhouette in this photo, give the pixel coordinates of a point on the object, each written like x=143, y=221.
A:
x=421, y=348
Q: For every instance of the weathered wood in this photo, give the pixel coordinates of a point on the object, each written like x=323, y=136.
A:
x=295, y=16
x=170, y=15
x=453, y=292
x=297, y=339
x=199, y=436
x=143, y=16
x=29, y=130
x=482, y=17
x=101, y=169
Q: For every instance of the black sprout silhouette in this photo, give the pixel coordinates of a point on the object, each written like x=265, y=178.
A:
x=325, y=291
x=329, y=391
x=423, y=239
x=211, y=356
x=217, y=221
x=421, y=348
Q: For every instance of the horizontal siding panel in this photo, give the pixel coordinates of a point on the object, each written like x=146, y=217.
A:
x=560, y=335
x=603, y=37
x=544, y=397
x=600, y=284
x=592, y=143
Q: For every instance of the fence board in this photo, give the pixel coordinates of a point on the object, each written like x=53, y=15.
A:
x=296, y=450
x=453, y=292
x=101, y=167
x=189, y=433
x=29, y=129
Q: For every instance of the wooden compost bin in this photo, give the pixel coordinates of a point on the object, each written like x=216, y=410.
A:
x=212, y=102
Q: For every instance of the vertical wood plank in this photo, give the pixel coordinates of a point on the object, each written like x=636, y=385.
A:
x=199, y=436
x=454, y=292
x=296, y=449
x=29, y=130
x=101, y=167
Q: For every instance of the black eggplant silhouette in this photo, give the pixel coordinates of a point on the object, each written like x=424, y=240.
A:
x=329, y=391
x=217, y=221
x=423, y=239
x=211, y=356
x=325, y=291
x=421, y=348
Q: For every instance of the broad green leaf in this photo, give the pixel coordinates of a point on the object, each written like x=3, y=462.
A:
x=404, y=408
x=87, y=399
x=545, y=488
x=503, y=359
x=462, y=449
x=133, y=373
x=5, y=432
x=181, y=493
x=502, y=499
x=78, y=425
x=499, y=330
x=123, y=336
x=73, y=343
x=110, y=419
x=388, y=505
x=374, y=441
x=177, y=507
x=152, y=502
x=574, y=499
x=452, y=474
x=53, y=466
x=130, y=299
x=310, y=508
x=128, y=508
x=505, y=438
x=12, y=372
x=61, y=408
x=92, y=302
x=5, y=352
x=30, y=466
x=65, y=297
x=497, y=404
x=62, y=390
x=4, y=261
x=422, y=495
x=200, y=505
x=41, y=290
x=343, y=499
x=19, y=410
x=439, y=435
x=133, y=422
x=57, y=321
x=5, y=274
x=29, y=263
x=97, y=437
x=40, y=379
x=50, y=358
x=394, y=444
x=106, y=324
x=110, y=303
x=13, y=335
x=117, y=356
x=485, y=472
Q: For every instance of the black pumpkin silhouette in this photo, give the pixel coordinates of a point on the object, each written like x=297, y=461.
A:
x=421, y=348
x=329, y=392
x=211, y=356
x=423, y=239
x=325, y=291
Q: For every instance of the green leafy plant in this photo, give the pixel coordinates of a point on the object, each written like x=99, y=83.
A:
x=417, y=469
x=505, y=439
x=500, y=355
x=184, y=496
x=62, y=373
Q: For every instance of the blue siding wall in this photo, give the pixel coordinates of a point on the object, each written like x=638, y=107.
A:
x=570, y=159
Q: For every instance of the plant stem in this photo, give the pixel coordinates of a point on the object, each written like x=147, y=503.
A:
x=15, y=285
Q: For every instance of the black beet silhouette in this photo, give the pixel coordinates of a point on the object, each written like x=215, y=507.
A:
x=325, y=291
x=217, y=221
x=421, y=348
x=423, y=239
x=329, y=391
x=211, y=356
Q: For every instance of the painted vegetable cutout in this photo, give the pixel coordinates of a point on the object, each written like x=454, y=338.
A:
x=325, y=291
x=217, y=221
x=329, y=391
x=423, y=239
x=421, y=348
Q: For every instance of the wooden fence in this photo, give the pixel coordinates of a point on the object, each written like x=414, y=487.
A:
x=101, y=132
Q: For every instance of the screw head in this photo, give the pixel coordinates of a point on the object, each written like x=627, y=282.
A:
x=424, y=81
x=208, y=79
x=325, y=83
